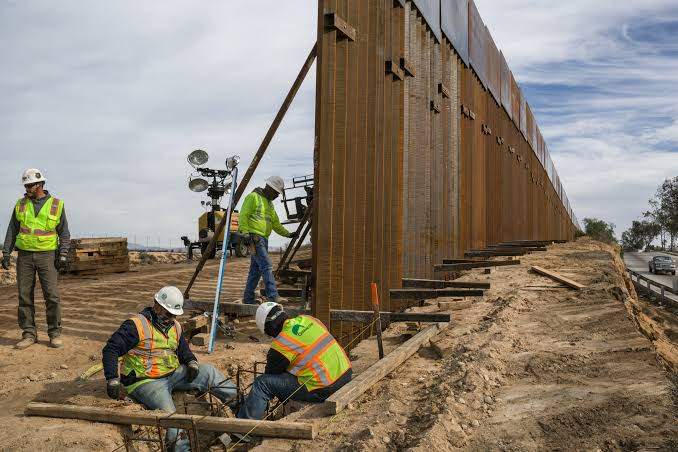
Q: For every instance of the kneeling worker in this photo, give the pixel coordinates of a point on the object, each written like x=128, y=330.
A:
x=157, y=361
x=304, y=362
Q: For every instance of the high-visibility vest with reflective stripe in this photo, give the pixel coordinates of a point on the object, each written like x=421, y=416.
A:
x=315, y=357
x=154, y=355
x=38, y=233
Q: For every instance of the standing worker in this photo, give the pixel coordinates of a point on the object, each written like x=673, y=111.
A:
x=39, y=230
x=257, y=219
x=304, y=362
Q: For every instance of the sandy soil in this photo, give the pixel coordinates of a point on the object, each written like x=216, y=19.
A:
x=531, y=366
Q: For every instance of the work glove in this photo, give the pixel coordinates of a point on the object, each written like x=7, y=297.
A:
x=60, y=262
x=192, y=370
x=293, y=235
x=113, y=388
x=5, y=261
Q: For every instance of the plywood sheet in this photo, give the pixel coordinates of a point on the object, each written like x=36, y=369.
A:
x=454, y=24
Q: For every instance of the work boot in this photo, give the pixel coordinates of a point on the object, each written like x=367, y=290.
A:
x=56, y=342
x=26, y=342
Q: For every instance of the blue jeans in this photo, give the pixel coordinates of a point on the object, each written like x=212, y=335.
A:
x=267, y=386
x=260, y=265
x=157, y=395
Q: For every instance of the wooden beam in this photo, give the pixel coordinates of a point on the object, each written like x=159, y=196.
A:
x=492, y=253
x=388, y=317
x=457, y=261
x=365, y=380
x=286, y=292
x=275, y=429
x=560, y=278
x=287, y=273
x=441, y=284
x=468, y=266
x=426, y=294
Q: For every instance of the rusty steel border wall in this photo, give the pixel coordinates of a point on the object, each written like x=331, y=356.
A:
x=425, y=148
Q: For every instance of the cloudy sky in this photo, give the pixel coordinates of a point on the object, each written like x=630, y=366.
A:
x=108, y=98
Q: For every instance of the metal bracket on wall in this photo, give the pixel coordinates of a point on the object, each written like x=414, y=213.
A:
x=394, y=69
x=500, y=141
x=444, y=90
x=407, y=66
x=435, y=105
x=512, y=150
x=486, y=130
x=344, y=30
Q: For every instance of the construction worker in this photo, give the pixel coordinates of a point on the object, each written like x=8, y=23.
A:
x=39, y=230
x=157, y=361
x=304, y=362
x=257, y=219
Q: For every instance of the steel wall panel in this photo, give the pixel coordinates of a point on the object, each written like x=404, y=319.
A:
x=523, y=114
x=430, y=9
x=477, y=43
x=529, y=124
x=506, y=88
x=493, y=67
x=403, y=178
x=454, y=25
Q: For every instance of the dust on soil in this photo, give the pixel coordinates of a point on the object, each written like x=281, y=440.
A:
x=533, y=365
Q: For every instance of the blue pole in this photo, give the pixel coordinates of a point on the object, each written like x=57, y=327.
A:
x=222, y=264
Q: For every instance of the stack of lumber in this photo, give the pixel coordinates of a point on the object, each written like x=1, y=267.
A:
x=98, y=255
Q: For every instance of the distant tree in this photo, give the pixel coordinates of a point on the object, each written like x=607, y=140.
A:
x=640, y=235
x=599, y=230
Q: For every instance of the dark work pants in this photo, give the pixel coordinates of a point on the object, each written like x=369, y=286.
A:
x=28, y=264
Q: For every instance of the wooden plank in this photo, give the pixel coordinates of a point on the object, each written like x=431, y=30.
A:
x=365, y=380
x=492, y=253
x=388, y=317
x=334, y=21
x=458, y=261
x=560, y=278
x=469, y=266
x=426, y=294
x=276, y=429
x=441, y=284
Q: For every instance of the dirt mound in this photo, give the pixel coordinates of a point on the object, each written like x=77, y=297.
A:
x=137, y=258
x=532, y=366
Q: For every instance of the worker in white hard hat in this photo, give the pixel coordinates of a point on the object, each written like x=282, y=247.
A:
x=256, y=221
x=156, y=360
x=304, y=362
x=38, y=229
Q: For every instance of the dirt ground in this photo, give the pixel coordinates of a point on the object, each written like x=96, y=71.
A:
x=530, y=366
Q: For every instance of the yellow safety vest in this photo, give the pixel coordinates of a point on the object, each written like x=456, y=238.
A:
x=38, y=233
x=315, y=357
x=154, y=356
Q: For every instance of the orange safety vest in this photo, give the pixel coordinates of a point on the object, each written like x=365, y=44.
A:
x=316, y=358
x=154, y=355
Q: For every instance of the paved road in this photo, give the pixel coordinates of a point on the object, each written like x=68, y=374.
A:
x=638, y=262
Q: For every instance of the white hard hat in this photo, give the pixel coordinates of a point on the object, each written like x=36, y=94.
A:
x=262, y=313
x=276, y=183
x=31, y=176
x=171, y=298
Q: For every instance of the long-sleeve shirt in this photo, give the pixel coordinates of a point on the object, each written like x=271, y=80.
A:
x=61, y=229
x=127, y=337
x=258, y=216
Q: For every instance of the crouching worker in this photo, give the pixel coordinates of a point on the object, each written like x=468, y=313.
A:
x=157, y=361
x=304, y=363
